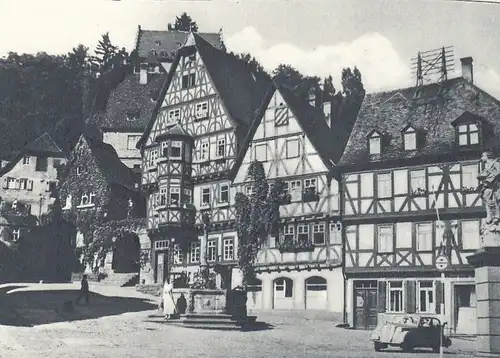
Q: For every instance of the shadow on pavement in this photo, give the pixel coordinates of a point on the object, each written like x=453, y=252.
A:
x=31, y=308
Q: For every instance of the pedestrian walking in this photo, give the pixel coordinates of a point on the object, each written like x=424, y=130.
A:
x=169, y=308
x=84, y=290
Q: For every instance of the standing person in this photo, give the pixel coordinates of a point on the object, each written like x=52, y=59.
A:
x=168, y=299
x=84, y=290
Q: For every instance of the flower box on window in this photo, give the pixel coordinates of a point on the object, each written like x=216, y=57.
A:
x=310, y=194
x=289, y=245
x=470, y=190
x=419, y=192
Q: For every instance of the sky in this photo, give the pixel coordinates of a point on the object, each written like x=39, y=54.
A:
x=318, y=37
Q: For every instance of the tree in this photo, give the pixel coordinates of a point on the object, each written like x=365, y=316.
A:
x=184, y=22
x=257, y=217
x=328, y=88
x=351, y=83
x=105, y=53
x=78, y=59
x=252, y=62
x=301, y=85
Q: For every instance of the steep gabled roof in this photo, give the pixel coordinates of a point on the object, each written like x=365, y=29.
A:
x=433, y=112
x=42, y=146
x=329, y=143
x=241, y=90
x=110, y=164
x=168, y=41
x=130, y=99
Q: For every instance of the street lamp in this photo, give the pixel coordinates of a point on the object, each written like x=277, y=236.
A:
x=171, y=259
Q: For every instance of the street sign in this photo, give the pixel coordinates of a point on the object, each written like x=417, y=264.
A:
x=441, y=263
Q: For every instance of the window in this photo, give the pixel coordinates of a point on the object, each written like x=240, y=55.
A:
x=469, y=176
x=41, y=164
x=283, y=287
x=228, y=247
x=11, y=183
x=132, y=141
x=384, y=185
x=424, y=236
x=375, y=143
x=175, y=196
x=248, y=190
x=174, y=115
x=303, y=233
x=204, y=151
x=87, y=199
x=16, y=234
x=26, y=160
x=23, y=184
x=385, y=239
x=470, y=235
x=178, y=257
x=187, y=195
x=201, y=110
x=335, y=234
x=410, y=139
x=81, y=170
x=260, y=152
x=281, y=116
x=221, y=148
x=292, y=148
x=188, y=80
x=205, y=197
x=395, y=289
x=224, y=194
x=310, y=185
x=56, y=163
x=175, y=149
x=195, y=252
x=319, y=234
x=425, y=291
x=294, y=188
x=417, y=180
x=153, y=158
x=289, y=233
x=211, y=250
x=468, y=134
x=67, y=203
x=163, y=197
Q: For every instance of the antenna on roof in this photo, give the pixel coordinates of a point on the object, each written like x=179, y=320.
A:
x=432, y=66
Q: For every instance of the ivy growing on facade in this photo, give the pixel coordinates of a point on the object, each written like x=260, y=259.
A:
x=257, y=217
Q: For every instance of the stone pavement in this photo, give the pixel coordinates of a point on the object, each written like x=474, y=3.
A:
x=131, y=335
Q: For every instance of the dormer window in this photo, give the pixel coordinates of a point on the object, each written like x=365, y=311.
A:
x=468, y=134
x=410, y=138
x=375, y=143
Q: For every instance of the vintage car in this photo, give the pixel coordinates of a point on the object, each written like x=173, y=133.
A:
x=408, y=332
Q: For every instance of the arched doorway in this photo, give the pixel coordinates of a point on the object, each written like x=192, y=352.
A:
x=316, y=293
x=283, y=293
x=126, y=254
x=254, y=294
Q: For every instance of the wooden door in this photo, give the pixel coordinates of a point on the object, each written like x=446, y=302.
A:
x=365, y=303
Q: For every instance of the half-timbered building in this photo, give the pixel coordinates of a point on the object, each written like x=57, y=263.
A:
x=211, y=96
x=410, y=191
x=301, y=268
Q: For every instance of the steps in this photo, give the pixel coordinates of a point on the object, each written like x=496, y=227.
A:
x=112, y=279
x=207, y=321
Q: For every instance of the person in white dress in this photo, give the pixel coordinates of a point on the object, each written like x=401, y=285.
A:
x=168, y=300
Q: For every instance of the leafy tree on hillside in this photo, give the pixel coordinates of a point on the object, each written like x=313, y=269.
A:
x=291, y=77
x=352, y=84
x=78, y=59
x=184, y=22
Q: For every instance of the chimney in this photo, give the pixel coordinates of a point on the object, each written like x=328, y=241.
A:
x=467, y=69
x=143, y=74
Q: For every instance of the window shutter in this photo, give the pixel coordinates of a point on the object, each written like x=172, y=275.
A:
x=439, y=296
x=30, y=184
x=382, y=293
x=5, y=182
x=411, y=299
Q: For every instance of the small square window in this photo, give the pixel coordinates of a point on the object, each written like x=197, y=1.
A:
x=26, y=160
x=205, y=197
x=260, y=152
x=175, y=196
x=221, y=148
x=175, y=150
x=201, y=110
x=468, y=134
x=224, y=194
x=375, y=143
x=204, y=151
x=174, y=115
x=292, y=148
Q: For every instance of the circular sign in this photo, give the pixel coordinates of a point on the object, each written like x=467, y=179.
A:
x=441, y=263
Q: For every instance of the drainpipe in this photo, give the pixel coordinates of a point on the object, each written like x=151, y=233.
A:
x=341, y=211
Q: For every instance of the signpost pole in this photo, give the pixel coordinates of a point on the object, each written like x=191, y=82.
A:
x=442, y=318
